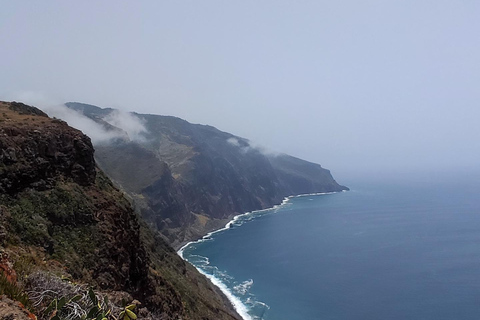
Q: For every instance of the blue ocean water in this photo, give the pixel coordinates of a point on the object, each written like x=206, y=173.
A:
x=406, y=248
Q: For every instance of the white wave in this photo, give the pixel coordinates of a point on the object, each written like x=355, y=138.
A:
x=258, y=307
x=201, y=260
x=263, y=304
x=241, y=309
x=243, y=287
x=313, y=194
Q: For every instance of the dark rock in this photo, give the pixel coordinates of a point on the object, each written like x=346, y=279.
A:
x=32, y=154
x=11, y=310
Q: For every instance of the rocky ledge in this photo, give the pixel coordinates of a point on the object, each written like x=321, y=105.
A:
x=37, y=149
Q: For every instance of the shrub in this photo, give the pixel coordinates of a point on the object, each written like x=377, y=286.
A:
x=14, y=291
x=59, y=299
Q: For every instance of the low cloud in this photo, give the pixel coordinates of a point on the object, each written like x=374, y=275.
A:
x=233, y=141
x=128, y=122
x=131, y=127
x=247, y=146
x=264, y=150
x=243, y=145
x=94, y=130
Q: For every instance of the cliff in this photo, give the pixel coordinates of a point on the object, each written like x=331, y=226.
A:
x=62, y=218
x=190, y=179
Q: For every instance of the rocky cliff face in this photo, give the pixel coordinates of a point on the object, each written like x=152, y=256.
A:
x=59, y=213
x=37, y=149
x=46, y=163
x=190, y=179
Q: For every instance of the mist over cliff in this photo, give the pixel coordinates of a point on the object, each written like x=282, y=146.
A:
x=188, y=179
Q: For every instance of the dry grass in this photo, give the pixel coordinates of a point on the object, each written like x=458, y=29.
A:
x=13, y=291
x=10, y=116
x=43, y=288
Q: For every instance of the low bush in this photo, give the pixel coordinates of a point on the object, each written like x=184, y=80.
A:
x=55, y=298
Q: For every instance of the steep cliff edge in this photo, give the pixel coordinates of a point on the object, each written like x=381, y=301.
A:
x=190, y=179
x=60, y=214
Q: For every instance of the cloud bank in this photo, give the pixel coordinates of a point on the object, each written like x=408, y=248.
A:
x=126, y=126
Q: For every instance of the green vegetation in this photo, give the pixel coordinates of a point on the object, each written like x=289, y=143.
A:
x=60, y=220
x=13, y=291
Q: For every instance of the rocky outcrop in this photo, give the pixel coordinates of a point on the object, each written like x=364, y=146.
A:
x=49, y=183
x=13, y=310
x=35, y=150
x=297, y=176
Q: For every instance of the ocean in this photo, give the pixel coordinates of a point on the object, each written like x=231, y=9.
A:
x=391, y=248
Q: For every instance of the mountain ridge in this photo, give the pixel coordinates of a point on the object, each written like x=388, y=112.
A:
x=198, y=176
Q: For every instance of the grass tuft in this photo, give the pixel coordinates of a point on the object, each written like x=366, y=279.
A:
x=13, y=291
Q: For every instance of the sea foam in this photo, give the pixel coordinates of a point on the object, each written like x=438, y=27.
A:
x=243, y=287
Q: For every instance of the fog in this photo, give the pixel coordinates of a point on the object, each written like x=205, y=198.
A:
x=356, y=86
x=127, y=126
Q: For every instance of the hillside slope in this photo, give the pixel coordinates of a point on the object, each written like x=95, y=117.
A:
x=190, y=179
x=61, y=216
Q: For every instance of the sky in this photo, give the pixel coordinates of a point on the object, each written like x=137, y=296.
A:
x=352, y=85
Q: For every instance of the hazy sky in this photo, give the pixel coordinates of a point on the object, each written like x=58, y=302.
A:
x=348, y=84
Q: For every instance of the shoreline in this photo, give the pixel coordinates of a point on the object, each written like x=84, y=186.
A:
x=237, y=304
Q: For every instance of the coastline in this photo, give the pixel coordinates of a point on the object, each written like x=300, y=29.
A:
x=238, y=305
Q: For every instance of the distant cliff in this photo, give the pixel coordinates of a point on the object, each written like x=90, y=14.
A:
x=61, y=217
x=188, y=179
